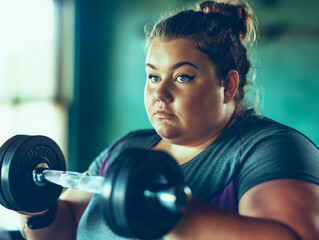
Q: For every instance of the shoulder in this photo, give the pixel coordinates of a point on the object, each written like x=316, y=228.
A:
x=142, y=133
x=139, y=138
x=266, y=141
x=270, y=150
x=135, y=139
x=260, y=130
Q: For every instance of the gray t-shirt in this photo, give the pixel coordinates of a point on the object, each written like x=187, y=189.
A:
x=251, y=151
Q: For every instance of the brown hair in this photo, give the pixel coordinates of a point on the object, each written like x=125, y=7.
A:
x=219, y=29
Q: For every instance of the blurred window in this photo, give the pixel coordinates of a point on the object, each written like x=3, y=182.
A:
x=28, y=77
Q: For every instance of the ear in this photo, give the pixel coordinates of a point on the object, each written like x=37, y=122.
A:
x=231, y=85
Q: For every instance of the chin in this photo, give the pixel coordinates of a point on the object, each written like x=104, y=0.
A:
x=166, y=132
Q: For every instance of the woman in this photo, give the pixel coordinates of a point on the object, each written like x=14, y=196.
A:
x=251, y=177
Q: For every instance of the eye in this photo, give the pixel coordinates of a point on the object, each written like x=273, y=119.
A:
x=184, y=78
x=153, y=78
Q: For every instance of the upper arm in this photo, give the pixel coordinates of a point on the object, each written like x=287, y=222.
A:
x=77, y=201
x=292, y=202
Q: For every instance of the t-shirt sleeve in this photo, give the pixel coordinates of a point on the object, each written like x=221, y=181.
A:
x=289, y=155
x=95, y=166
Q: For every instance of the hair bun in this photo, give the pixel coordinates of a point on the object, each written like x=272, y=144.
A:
x=236, y=14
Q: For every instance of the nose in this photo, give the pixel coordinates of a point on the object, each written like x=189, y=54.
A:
x=163, y=92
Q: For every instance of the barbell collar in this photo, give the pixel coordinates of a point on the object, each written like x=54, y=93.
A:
x=175, y=199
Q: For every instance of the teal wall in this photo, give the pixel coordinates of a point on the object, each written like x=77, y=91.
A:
x=110, y=71
x=288, y=77
x=287, y=62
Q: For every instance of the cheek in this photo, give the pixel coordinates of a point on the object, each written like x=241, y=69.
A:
x=147, y=99
x=213, y=100
x=201, y=104
x=188, y=106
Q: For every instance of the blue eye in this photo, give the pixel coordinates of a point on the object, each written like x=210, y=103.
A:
x=153, y=78
x=184, y=78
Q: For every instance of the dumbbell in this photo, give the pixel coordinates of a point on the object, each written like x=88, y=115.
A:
x=143, y=191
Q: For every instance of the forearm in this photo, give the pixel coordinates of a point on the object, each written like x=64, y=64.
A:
x=63, y=227
x=202, y=221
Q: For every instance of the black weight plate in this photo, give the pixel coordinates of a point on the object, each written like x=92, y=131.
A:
x=151, y=223
x=134, y=216
x=107, y=203
x=18, y=164
x=5, y=172
x=3, y=150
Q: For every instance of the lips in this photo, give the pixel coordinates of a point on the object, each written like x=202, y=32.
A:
x=163, y=114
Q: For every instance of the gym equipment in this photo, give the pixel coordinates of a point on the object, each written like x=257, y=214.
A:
x=18, y=158
x=143, y=191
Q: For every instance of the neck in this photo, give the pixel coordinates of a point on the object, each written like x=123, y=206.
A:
x=184, y=153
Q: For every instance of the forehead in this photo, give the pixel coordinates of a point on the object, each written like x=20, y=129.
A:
x=163, y=52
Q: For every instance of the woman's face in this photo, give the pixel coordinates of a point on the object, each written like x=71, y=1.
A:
x=183, y=99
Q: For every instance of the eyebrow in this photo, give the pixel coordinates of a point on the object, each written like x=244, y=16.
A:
x=175, y=66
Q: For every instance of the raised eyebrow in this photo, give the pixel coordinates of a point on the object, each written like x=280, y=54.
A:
x=175, y=66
